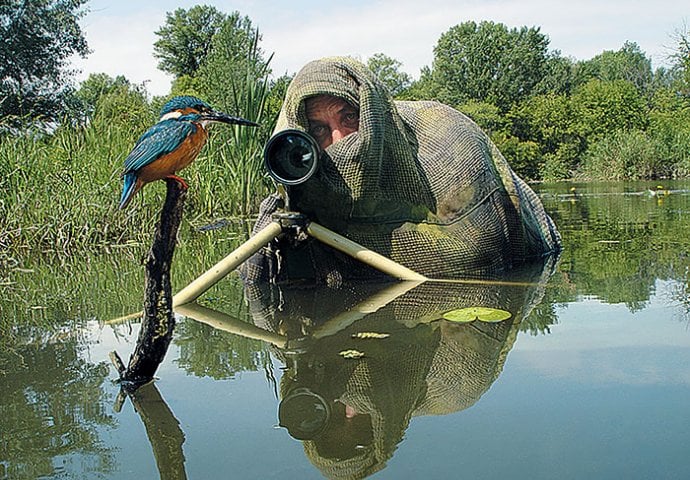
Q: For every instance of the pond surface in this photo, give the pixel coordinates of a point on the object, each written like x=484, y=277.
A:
x=588, y=378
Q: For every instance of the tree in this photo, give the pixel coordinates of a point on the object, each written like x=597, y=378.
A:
x=559, y=76
x=38, y=39
x=107, y=100
x=387, y=70
x=489, y=63
x=629, y=64
x=681, y=62
x=600, y=108
x=186, y=39
x=96, y=87
x=547, y=121
x=234, y=61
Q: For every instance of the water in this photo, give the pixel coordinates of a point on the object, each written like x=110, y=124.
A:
x=588, y=378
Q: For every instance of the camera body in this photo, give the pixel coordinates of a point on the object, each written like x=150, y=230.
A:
x=291, y=157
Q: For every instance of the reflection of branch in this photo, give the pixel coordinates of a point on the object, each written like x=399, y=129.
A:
x=226, y=323
x=163, y=430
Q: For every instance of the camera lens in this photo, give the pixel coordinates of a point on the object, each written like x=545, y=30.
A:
x=291, y=157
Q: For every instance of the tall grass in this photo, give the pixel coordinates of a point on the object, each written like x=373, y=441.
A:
x=638, y=155
x=59, y=191
x=233, y=180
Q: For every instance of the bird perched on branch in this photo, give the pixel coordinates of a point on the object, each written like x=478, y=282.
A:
x=171, y=144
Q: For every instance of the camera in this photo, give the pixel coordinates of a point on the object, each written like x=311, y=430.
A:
x=291, y=157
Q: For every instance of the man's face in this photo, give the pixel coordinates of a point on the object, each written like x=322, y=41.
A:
x=330, y=119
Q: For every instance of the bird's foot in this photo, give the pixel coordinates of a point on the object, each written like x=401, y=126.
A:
x=179, y=180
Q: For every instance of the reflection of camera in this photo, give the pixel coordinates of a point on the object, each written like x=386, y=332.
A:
x=291, y=157
x=304, y=413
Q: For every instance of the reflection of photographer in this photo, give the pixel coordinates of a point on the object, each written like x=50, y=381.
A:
x=349, y=393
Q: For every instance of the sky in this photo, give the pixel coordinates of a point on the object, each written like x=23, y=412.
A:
x=121, y=33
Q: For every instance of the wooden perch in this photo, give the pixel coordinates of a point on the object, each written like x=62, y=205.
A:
x=159, y=320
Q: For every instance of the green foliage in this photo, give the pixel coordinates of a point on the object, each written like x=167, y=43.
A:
x=545, y=119
x=106, y=100
x=186, y=85
x=425, y=88
x=559, y=77
x=235, y=79
x=60, y=191
x=561, y=163
x=669, y=124
x=601, y=108
x=387, y=70
x=523, y=156
x=37, y=39
x=629, y=64
x=490, y=63
x=186, y=39
x=235, y=56
x=681, y=62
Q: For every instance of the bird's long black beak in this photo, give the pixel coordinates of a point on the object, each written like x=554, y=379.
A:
x=225, y=118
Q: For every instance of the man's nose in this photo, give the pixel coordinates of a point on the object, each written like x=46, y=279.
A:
x=337, y=134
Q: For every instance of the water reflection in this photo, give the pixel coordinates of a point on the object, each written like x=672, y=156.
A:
x=163, y=431
x=361, y=362
x=620, y=249
x=52, y=412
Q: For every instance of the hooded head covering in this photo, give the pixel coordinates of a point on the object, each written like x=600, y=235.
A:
x=418, y=182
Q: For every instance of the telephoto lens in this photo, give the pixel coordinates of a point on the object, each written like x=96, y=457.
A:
x=291, y=157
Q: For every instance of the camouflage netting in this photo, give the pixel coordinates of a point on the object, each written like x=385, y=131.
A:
x=418, y=182
x=426, y=366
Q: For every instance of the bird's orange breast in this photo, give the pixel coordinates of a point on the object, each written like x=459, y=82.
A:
x=176, y=160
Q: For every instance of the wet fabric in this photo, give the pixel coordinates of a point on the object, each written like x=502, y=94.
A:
x=419, y=182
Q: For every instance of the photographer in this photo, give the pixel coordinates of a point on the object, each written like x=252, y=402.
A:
x=418, y=182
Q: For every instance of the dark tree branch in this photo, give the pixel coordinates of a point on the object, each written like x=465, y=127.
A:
x=159, y=320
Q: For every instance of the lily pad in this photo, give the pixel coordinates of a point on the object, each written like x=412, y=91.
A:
x=483, y=314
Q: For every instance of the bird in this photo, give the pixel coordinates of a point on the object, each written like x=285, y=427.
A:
x=171, y=144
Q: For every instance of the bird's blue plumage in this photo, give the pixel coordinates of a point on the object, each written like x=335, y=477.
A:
x=183, y=102
x=128, y=189
x=181, y=118
x=161, y=139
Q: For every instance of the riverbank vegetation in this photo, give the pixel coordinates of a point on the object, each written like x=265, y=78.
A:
x=554, y=118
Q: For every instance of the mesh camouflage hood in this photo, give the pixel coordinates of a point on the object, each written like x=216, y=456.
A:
x=418, y=182
x=373, y=173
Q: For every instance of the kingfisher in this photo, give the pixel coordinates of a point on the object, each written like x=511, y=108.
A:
x=171, y=144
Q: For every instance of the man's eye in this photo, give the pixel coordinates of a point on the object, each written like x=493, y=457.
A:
x=351, y=119
x=318, y=131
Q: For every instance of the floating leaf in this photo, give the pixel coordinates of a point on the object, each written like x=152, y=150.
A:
x=351, y=354
x=484, y=314
x=370, y=335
